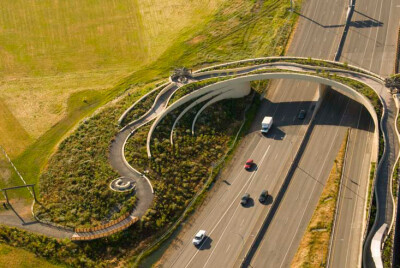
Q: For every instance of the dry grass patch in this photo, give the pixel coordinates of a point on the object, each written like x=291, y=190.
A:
x=314, y=245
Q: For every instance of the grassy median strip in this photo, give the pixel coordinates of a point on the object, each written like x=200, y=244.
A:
x=313, y=248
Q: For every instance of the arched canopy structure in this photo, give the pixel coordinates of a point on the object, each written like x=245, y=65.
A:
x=220, y=86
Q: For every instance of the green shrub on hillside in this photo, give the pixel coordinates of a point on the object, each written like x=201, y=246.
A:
x=75, y=188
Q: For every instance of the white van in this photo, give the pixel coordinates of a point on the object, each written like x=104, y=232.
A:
x=266, y=124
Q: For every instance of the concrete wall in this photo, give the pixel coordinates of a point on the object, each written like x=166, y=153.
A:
x=342, y=88
x=199, y=100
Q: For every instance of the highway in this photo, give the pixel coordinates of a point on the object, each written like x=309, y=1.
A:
x=318, y=33
x=371, y=40
x=349, y=229
x=371, y=43
x=229, y=225
x=336, y=115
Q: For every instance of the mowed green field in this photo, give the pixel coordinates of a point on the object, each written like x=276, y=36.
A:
x=51, y=49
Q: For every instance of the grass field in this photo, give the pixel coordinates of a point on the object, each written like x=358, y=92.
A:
x=60, y=63
x=52, y=49
x=19, y=258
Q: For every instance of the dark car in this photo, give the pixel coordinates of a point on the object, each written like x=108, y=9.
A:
x=249, y=163
x=302, y=114
x=263, y=196
x=245, y=199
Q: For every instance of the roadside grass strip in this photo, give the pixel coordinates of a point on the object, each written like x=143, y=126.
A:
x=314, y=246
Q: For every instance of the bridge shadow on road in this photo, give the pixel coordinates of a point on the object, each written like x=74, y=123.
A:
x=285, y=114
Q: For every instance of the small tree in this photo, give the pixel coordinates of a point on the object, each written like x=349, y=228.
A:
x=393, y=81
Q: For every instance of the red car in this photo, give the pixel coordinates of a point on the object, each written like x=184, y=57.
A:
x=249, y=164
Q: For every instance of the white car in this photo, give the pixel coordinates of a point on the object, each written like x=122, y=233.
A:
x=199, y=237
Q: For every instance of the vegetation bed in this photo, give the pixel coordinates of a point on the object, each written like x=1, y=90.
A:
x=141, y=107
x=178, y=172
x=74, y=189
x=189, y=88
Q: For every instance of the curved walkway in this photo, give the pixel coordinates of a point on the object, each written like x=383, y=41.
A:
x=144, y=189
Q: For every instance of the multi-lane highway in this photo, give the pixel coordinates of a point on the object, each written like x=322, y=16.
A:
x=229, y=225
x=350, y=222
x=336, y=115
x=318, y=34
x=372, y=36
x=371, y=44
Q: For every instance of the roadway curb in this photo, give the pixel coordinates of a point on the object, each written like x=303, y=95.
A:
x=367, y=250
x=397, y=59
x=394, y=166
x=396, y=208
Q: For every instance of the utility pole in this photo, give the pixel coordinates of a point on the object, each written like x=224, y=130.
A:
x=292, y=5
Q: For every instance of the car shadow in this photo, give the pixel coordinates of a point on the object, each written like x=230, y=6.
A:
x=275, y=133
x=268, y=200
x=206, y=244
x=252, y=168
x=250, y=203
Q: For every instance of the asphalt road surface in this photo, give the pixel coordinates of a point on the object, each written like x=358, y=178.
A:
x=228, y=224
x=336, y=115
x=371, y=39
x=320, y=27
x=371, y=44
x=350, y=222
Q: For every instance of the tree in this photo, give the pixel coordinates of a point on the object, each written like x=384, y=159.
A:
x=393, y=81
